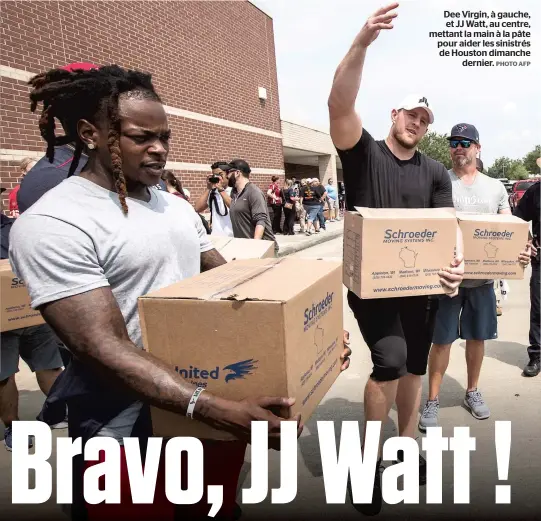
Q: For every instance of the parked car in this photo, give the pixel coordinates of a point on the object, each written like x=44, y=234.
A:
x=518, y=190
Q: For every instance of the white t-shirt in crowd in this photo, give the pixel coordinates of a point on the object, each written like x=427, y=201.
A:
x=76, y=239
x=221, y=224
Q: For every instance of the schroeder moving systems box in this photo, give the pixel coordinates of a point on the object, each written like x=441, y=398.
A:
x=15, y=307
x=260, y=327
x=492, y=244
x=237, y=249
x=392, y=252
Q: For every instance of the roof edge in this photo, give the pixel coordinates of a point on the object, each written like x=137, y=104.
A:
x=260, y=9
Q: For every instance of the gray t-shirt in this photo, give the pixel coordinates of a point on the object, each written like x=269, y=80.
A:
x=248, y=210
x=76, y=239
x=484, y=195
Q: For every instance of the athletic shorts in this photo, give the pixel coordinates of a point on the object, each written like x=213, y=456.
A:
x=38, y=346
x=398, y=332
x=471, y=315
x=222, y=465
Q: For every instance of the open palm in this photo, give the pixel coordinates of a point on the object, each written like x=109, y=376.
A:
x=381, y=19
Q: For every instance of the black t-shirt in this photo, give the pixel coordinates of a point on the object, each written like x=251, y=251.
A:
x=310, y=196
x=528, y=209
x=375, y=178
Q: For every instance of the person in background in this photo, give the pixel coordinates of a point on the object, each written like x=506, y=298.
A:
x=341, y=198
x=471, y=315
x=301, y=212
x=37, y=345
x=290, y=201
x=321, y=195
x=311, y=205
x=249, y=213
x=217, y=198
x=332, y=200
x=275, y=201
x=529, y=210
x=174, y=185
x=25, y=166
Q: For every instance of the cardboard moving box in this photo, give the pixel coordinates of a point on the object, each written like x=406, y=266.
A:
x=492, y=244
x=237, y=249
x=269, y=327
x=15, y=307
x=397, y=252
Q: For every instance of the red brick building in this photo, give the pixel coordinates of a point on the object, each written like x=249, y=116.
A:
x=213, y=64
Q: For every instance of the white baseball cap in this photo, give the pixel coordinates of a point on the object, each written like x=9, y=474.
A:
x=416, y=101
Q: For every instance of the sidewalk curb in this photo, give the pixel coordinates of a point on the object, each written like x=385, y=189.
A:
x=288, y=249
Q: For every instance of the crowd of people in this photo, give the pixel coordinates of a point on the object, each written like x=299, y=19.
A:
x=99, y=222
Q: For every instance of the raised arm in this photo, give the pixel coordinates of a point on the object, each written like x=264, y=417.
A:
x=345, y=123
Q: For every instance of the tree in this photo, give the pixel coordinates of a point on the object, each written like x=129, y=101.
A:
x=436, y=146
x=518, y=170
x=530, y=159
x=500, y=168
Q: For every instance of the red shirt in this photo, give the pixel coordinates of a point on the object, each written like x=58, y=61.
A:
x=13, y=206
x=277, y=192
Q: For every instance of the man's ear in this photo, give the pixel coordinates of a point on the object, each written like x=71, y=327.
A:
x=394, y=115
x=88, y=133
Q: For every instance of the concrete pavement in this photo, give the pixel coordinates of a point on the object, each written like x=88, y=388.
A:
x=290, y=244
x=509, y=395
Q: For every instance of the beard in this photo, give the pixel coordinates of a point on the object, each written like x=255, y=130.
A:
x=231, y=182
x=408, y=145
x=462, y=161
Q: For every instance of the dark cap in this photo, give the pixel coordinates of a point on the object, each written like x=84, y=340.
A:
x=222, y=165
x=466, y=131
x=241, y=165
x=2, y=189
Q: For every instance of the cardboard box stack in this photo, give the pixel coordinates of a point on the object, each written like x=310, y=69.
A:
x=237, y=249
x=249, y=328
x=397, y=252
x=492, y=244
x=15, y=307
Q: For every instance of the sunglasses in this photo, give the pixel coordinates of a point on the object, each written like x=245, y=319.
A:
x=464, y=143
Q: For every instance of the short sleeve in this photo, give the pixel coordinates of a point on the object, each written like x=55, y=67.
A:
x=55, y=259
x=503, y=203
x=442, y=196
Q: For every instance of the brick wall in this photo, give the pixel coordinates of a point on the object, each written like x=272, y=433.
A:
x=205, y=57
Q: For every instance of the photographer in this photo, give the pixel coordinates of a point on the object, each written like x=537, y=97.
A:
x=217, y=198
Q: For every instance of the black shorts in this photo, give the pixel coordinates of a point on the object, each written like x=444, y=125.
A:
x=398, y=332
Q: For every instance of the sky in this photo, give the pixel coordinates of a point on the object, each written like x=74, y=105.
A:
x=312, y=37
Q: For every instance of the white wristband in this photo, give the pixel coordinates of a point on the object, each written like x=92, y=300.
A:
x=193, y=400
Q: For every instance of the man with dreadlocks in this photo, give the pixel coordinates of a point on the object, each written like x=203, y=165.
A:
x=46, y=174
x=91, y=246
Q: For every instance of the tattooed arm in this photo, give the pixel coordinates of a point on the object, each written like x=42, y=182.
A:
x=92, y=327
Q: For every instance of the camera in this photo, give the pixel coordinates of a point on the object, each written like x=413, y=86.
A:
x=214, y=179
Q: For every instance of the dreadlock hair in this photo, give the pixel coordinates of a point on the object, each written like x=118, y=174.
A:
x=92, y=94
